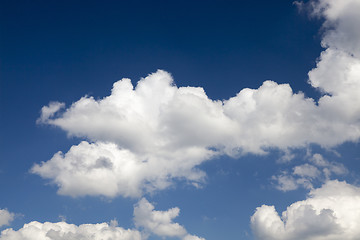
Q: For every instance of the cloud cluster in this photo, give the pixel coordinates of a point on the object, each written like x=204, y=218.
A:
x=151, y=221
x=142, y=138
x=317, y=169
x=160, y=222
x=6, y=217
x=64, y=231
x=330, y=212
x=138, y=139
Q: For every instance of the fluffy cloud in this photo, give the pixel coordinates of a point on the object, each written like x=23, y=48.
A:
x=158, y=116
x=144, y=137
x=149, y=220
x=105, y=169
x=160, y=222
x=6, y=217
x=330, y=212
x=64, y=231
x=141, y=138
x=341, y=19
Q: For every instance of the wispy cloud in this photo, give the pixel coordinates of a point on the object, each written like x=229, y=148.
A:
x=315, y=170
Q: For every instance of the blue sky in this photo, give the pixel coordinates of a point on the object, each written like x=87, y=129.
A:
x=233, y=107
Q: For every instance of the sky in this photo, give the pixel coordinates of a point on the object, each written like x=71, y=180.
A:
x=184, y=120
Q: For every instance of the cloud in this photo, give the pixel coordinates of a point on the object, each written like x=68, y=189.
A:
x=139, y=139
x=151, y=221
x=49, y=111
x=105, y=169
x=64, y=231
x=306, y=170
x=6, y=217
x=285, y=182
x=330, y=212
x=328, y=168
x=341, y=23
x=158, y=116
x=160, y=222
x=154, y=136
x=317, y=170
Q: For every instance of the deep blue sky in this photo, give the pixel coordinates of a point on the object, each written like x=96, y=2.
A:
x=62, y=50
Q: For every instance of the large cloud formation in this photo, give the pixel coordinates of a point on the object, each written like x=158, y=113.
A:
x=151, y=221
x=141, y=138
x=330, y=212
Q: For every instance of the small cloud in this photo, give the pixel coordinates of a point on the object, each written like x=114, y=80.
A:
x=307, y=171
x=49, y=111
x=160, y=223
x=318, y=170
x=285, y=182
x=329, y=212
x=6, y=217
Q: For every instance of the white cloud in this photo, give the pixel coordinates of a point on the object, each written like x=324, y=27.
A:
x=306, y=170
x=192, y=237
x=105, y=169
x=149, y=220
x=285, y=182
x=328, y=168
x=49, y=111
x=160, y=222
x=154, y=129
x=342, y=21
x=6, y=217
x=64, y=231
x=158, y=131
x=330, y=212
x=317, y=170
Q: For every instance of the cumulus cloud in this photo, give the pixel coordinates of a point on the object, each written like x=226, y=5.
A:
x=64, y=231
x=341, y=23
x=330, y=212
x=6, y=217
x=154, y=136
x=337, y=75
x=105, y=169
x=158, y=116
x=138, y=139
x=146, y=217
x=160, y=222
